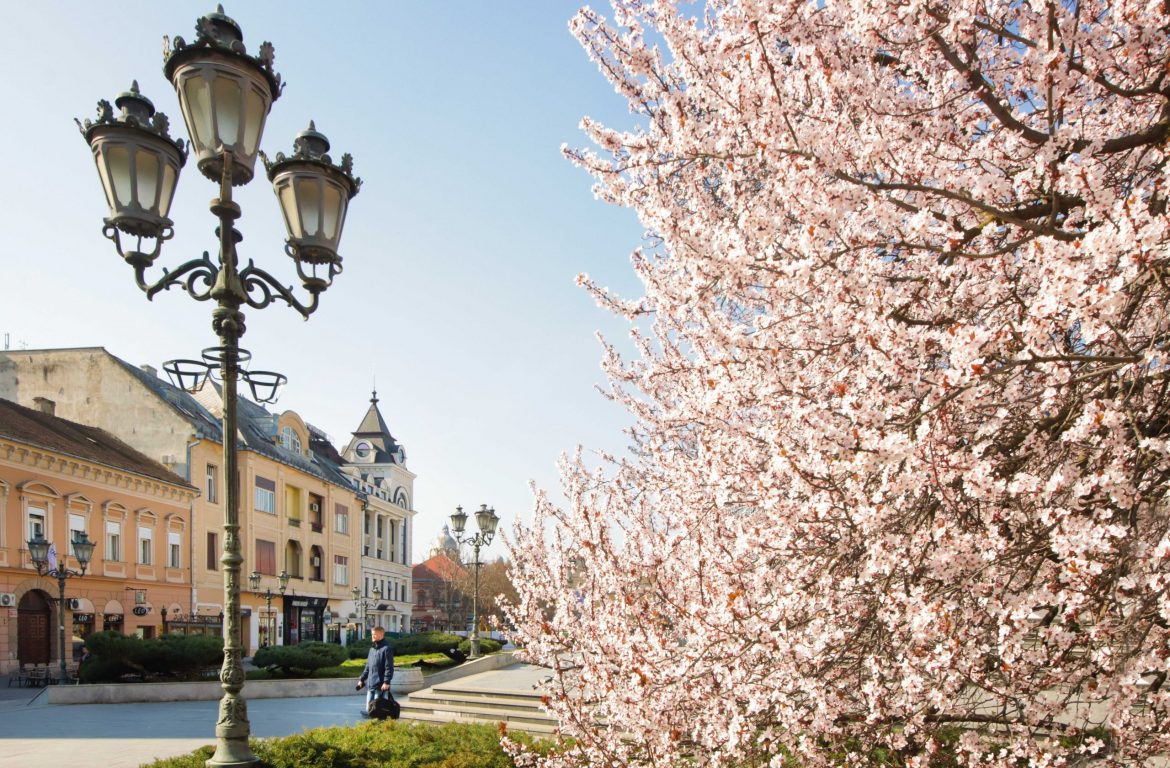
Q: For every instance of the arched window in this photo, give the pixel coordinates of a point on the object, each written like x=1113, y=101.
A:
x=316, y=563
x=290, y=439
x=293, y=556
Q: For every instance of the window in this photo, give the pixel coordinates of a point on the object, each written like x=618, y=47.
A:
x=174, y=558
x=36, y=523
x=113, y=540
x=212, y=490
x=266, y=557
x=212, y=551
x=265, y=495
x=342, y=515
x=290, y=439
x=362, y=450
x=76, y=528
x=145, y=544
x=340, y=569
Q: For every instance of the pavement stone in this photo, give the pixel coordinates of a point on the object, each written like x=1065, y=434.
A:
x=35, y=734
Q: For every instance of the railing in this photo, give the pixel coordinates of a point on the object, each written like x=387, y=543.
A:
x=295, y=522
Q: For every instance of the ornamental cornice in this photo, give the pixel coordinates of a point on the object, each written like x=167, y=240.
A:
x=54, y=462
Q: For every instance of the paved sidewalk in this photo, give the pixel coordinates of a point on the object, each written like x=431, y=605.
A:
x=35, y=734
x=38, y=735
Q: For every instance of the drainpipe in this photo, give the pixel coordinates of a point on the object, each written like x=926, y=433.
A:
x=191, y=536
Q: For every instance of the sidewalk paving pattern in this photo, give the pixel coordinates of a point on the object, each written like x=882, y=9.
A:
x=34, y=734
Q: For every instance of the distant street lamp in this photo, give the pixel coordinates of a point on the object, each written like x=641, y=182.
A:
x=362, y=605
x=38, y=548
x=225, y=95
x=487, y=521
x=270, y=619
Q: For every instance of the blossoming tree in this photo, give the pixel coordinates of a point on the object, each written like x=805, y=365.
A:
x=898, y=478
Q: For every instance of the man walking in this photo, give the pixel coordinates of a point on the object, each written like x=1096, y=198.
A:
x=379, y=667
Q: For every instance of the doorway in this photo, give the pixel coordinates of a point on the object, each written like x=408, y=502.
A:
x=33, y=634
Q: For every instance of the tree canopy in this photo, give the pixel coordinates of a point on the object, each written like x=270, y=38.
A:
x=899, y=469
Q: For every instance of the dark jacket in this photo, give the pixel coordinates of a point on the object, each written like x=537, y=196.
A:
x=379, y=665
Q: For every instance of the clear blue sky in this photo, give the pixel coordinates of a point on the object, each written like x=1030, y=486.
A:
x=460, y=252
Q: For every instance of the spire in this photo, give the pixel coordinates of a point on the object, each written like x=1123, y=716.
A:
x=373, y=435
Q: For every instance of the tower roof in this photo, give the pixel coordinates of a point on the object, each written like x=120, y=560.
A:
x=373, y=430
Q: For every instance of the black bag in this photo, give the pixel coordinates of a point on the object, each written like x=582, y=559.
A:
x=383, y=706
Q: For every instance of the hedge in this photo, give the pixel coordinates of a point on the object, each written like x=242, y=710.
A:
x=113, y=655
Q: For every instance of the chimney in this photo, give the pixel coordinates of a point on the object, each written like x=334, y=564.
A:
x=45, y=405
x=150, y=369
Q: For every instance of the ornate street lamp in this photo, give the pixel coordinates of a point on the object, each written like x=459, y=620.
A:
x=377, y=593
x=362, y=605
x=270, y=618
x=225, y=95
x=487, y=521
x=359, y=606
x=44, y=559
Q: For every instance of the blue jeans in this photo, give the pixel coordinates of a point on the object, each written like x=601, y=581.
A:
x=371, y=692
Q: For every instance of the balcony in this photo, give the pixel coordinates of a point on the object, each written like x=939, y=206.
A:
x=295, y=522
x=317, y=527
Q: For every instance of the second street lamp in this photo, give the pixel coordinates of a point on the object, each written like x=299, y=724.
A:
x=225, y=95
x=269, y=618
x=486, y=521
x=44, y=557
x=362, y=606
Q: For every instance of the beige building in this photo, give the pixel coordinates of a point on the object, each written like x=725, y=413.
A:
x=301, y=511
x=59, y=479
x=376, y=462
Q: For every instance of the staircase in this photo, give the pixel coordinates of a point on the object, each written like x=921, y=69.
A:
x=506, y=695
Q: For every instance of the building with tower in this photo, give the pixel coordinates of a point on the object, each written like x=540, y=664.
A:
x=376, y=463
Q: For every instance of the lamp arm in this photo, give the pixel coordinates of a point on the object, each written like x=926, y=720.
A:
x=196, y=277
x=261, y=289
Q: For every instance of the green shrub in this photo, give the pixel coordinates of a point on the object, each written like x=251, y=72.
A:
x=113, y=655
x=423, y=642
x=374, y=745
x=303, y=659
x=358, y=649
x=486, y=645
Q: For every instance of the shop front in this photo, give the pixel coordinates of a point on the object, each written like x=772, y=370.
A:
x=304, y=619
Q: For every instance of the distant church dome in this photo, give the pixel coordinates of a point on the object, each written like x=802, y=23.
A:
x=445, y=543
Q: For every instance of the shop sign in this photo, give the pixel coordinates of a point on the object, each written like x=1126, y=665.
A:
x=141, y=610
x=82, y=618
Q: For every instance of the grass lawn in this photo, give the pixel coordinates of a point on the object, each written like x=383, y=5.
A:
x=353, y=667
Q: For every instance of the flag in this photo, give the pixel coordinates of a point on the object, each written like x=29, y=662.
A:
x=52, y=557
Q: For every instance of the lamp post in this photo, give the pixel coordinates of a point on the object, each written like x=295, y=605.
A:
x=487, y=521
x=359, y=606
x=377, y=593
x=254, y=583
x=225, y=95
x=363, y=606
x=47, y=565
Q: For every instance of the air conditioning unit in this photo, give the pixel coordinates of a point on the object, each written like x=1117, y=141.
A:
x=74, y=604
x=314, y=506
x=316, y=561
x=7, y=600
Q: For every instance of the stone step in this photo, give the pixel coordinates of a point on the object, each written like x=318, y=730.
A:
x=445, y=703
x=426, y=716
x=433, y=697
x=478, y=712
x=454, y=689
